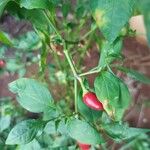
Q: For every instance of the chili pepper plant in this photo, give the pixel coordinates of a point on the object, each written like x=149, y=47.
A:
x=70, y=112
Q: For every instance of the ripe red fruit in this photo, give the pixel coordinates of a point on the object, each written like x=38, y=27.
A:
x=2, y=63
x=83, y=146
x=91, y=100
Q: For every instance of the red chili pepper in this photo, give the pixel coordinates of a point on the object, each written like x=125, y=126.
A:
x=2, y=63
x=91, y=100
x=83, y=146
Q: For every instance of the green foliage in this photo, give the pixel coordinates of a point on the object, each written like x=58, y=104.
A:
x=66, y=8
x=15, y=66
x=3, y=3
x=62, y=127
x=33, y=96
x=50, y=128
x=5, y=39
x=38, y=19
x=121, y=132
x=62, y=32
x=107, y=88
x=25, y=46
x=32, y=4
x=24, y=132
x=124, y=100
x=113, y=93
x=111, y=16
x=50, y=113
x=110, y=52
x=29, y=41
x=83, y=132
x=4, y=122
x=139, y=143
x=82, y=8
x=30, y=146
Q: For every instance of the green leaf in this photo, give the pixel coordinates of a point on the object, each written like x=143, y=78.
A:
x=15, y=10
x=33, y=4
x=3, y=3
x=21, y=72
x=28, y=41
x=135, y=75
x=113, y=93
x=33, y=145
x=86, y=112
x=141, y=142
x=38, y=20
x=62, y=127
x=105, y=119
x=56, y=2
x=121, y=132
x=4, y=38
x=110, y=52
x=50, y=128
x=124, y=100
x=45, y=140
x=60, y=142
x=4, y=122
x=66, y=8
x=24, y=132
x=33, y=96
x=83, y=132
x=107, y=88
x=82, y=8
x=12, y=65
x=50, y=113
x=145, y=8
x=124, y=94
x=3, y=49
x=111, y=15
x=37, y=17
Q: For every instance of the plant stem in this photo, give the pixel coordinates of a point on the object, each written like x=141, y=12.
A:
x=91, y=72
x=74, y=70
x=88, y=33
x=56, y=58
x=82, y=38
x=49, y=20
x=70, y=63
x=65, y=47
x=75, y=95
x=42, y=63
x=69, y=59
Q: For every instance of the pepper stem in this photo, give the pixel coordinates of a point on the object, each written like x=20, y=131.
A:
x=68, y=57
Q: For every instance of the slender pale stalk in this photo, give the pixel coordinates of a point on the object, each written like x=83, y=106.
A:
x=75, y=95
x=69, y=59
x=91, y=72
